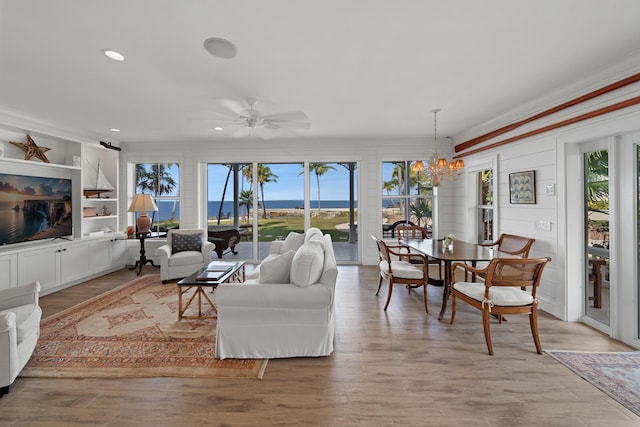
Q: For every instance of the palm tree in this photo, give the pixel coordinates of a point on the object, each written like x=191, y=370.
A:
x=265, y=175
x=319, y=169
x=246, y=199
x=157, y=180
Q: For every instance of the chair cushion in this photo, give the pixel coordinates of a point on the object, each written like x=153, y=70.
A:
x=292, y=243
x=186, y=258
x=307, y=264
x=276, y=269
x=498, y=295
x=27, y=320
x=186, y=242
x=402, y=269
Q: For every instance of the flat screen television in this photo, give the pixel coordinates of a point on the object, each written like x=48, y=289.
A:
x=34, y=208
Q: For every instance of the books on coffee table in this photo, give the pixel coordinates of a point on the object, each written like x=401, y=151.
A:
x=206, y=276
x=220, y=266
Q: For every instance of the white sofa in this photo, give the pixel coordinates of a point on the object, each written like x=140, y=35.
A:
x=184, y=253
x=286, y=307
x=20, y=316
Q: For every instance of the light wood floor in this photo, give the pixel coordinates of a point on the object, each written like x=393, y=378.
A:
x=403, y=368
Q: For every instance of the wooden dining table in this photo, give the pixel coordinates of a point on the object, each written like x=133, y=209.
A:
x=461, y=251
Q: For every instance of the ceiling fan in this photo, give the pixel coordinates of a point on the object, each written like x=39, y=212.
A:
x=244, y=116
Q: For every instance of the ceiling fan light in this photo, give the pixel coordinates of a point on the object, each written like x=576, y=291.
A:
x=221, y=48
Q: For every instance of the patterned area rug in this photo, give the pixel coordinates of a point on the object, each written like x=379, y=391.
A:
x=617, y=374
x=133, y=331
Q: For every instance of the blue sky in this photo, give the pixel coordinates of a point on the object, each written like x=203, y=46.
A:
x=334, y=185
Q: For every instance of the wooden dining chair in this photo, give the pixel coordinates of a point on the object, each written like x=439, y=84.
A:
x=509, y=287
x=396, y=267
x=417, y=232
x=511, y=244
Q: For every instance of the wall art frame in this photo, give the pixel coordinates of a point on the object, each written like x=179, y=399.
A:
x=522, y=187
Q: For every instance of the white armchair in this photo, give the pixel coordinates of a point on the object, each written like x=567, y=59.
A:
x=184, y=253
x=19, y=330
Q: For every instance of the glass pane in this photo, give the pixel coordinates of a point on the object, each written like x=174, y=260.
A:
x=229, y=208
x=597, y=235
x=393, y=178
x=486, y=187
x=162, y=181
x=333, y=203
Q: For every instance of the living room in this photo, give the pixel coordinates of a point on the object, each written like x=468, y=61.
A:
x=342, y=84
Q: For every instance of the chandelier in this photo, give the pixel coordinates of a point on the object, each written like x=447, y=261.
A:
x=439, y=167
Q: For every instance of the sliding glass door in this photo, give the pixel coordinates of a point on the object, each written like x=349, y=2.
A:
x=597, y=238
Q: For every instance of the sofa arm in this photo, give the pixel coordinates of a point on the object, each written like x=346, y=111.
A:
x=8, y=349
x=20, y=295
x=164, y=251
x=272, y=296
x=206, y=249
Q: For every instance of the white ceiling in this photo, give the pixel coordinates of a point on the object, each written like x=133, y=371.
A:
x=358, y=68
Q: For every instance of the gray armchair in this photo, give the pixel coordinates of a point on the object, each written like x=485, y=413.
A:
x=20, y=316
x=184, y=253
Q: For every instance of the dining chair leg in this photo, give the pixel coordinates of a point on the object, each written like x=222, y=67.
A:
x=424, y=297
x=453, y=308
x=389, y=294
x=379, y=285
x=487, y=331
x=533, y=320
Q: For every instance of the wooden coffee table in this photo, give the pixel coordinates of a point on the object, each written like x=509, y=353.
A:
x=235, y=274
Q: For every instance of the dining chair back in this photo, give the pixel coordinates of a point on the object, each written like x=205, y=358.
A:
x=509, y=287
x=417, y=232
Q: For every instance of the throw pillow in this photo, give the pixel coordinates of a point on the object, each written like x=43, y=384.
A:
x=276, y=269
x=307, y=264
x=186, y=242
x=292, y=242
x=311, y=232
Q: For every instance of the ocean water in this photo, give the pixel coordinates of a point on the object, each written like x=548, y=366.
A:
x=165, y=207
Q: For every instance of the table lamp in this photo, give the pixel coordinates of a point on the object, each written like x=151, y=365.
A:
x=143, y=203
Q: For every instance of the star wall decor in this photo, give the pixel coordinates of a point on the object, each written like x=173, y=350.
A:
x=32, y=150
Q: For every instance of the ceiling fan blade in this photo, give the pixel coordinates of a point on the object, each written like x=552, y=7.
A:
x=293, y=125
x=233, y=107
x=291, y=116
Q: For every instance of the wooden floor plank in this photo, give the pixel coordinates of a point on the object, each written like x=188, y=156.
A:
x=402, y=367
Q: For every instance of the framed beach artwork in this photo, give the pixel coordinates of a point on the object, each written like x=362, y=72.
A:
x=522, y=187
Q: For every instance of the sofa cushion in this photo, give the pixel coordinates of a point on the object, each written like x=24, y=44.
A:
x=292, y=242
x=186, y=258
x=276, y=269
x=186, y=242
x=307, y=264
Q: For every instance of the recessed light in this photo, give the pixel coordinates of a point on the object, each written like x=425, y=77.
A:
x=112, y=54
x=221, y=48
x=114, y=130
x=217, y=128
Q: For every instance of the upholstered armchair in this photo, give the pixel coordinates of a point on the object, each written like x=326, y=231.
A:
x=184, y=253
x=19, y=330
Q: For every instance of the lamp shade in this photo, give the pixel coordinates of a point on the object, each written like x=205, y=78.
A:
x=143, y=203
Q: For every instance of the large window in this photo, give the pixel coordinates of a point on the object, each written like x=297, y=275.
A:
x=162, y=181
x=485, y=206
x=406, y=196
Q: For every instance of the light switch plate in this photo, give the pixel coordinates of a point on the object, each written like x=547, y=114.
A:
x=550, y=190
x=543, y=225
